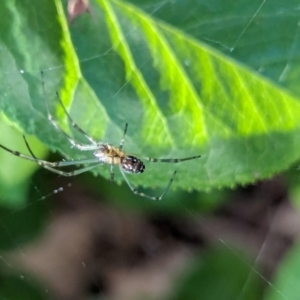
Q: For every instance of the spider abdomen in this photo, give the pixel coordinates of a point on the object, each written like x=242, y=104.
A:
x=133, y=165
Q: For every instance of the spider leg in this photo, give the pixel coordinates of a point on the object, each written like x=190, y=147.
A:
x=28, y=147
x=76, y=126
x=112, y=174
x=21, y=155
x=48, y=163
x=55, y=124
x=123, y=138
x=71, y=173
x=169, y=160
x=136, y=192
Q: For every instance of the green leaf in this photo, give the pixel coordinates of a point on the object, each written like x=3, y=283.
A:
x=152, y=65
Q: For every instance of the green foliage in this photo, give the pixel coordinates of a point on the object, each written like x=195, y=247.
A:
x=160, y=68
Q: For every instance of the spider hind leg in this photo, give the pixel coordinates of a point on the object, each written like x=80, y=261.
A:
x=136, y=192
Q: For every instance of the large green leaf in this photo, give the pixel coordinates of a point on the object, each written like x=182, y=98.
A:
x=149, y=64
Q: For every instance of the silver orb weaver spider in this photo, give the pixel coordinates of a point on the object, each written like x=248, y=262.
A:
x=104, y=153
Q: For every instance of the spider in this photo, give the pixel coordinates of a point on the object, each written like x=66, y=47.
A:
x=104, y=153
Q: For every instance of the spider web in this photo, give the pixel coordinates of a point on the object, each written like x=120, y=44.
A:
x=86, y=232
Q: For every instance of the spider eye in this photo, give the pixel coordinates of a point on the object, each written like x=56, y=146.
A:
x=132, y=165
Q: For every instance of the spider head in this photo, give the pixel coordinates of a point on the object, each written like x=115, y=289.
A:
x=132, y=165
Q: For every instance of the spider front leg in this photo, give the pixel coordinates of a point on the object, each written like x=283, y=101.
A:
x=123, y=138
x=57, y=164
x=80, y=146
x=28, y=147
x=52, y=166
x=75, y=125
